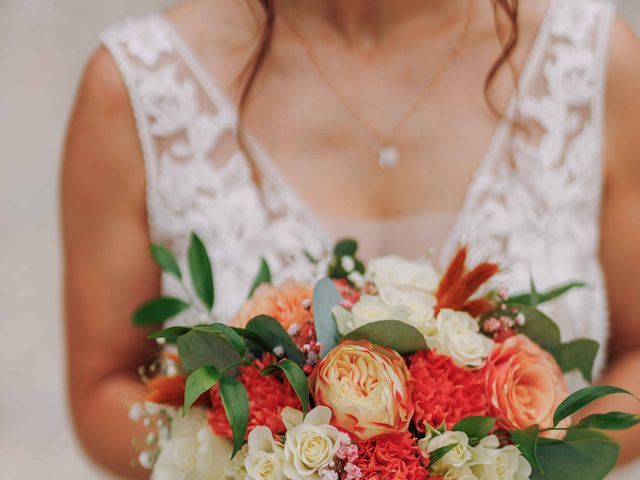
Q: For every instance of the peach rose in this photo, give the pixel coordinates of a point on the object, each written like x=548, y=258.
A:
x=289, y=303
x=367, y=388
x=524, y=384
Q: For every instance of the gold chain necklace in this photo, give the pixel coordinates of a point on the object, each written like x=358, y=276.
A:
x=388, y=153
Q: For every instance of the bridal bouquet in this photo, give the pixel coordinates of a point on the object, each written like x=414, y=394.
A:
x=380, y=371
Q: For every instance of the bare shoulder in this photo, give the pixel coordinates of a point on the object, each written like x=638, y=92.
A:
x=102, y=139
x=623, y=99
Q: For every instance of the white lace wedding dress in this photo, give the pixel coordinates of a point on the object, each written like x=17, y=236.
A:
x=534, y=202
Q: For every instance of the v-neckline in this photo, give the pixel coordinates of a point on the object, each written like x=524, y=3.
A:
x=295, y=200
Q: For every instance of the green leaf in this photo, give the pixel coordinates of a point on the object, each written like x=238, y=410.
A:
x=577, y=355
x=438, y=453
x=201, y=271
x=397, y=335
x=158, y=311
x=610, y=421
x=582, y=398
x=253, y=341
x=475, y=427
x=274, y=335
x=166, y=261
x=236, y=405
x=346, y=248
x=545, y=297
x=539, y=328
x=325, y=297
x=171, y=333
x=199, y=382
x=200, y=348
x=584, y=454
x=296, y=377
x=228, y=332
x=534, y=295
x=263, y=276
x=527, y=442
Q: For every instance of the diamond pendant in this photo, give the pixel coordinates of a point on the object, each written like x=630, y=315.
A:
x=388, y=157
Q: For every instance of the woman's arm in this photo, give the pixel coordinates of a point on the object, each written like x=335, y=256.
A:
x=620, y=247
x=108, y=270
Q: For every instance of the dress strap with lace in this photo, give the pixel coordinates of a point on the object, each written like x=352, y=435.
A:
x=534, y=201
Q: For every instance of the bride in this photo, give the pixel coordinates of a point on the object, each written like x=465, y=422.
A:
x=273, y=127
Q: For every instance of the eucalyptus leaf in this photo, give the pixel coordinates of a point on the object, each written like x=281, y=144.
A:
x=584, y=455
x=228, y=332
x=610, y=421
x=200, y=348
x=201, y=271
x=273, y=334
x=166, y=261
x=527, y=442
x=475, y=427
x=199, y=382
x=325, y=297
x=263, y=276
x=539, y=328
x=157, y=311
x=528, y=298
x=236, y=406
x=577, y=355
x=296, y=377
x=171, y=333
x=582, y=398
x=397, y=335
x=438, y=453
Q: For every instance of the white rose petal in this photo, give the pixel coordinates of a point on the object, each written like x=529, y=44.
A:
x=489, y=462
x=311, y=446
x=459, y=456
x=265, y=457
x=192, y=450
x=460, y=473
x=395, y=270
x=458, y=336
x=418, y=303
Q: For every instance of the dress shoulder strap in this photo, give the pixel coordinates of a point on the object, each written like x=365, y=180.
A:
x=181, y=127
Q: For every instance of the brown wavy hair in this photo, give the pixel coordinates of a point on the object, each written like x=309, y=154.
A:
x=506, y=22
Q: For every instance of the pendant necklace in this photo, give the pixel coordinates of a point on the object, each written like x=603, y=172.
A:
x=388, y=152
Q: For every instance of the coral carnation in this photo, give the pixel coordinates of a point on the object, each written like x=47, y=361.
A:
x=444, y=392
x=267, y=397
x=392, y=457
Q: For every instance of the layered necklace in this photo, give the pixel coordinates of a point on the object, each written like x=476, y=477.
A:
x=387, y=150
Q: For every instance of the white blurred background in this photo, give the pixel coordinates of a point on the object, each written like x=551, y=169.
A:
x=43, y=46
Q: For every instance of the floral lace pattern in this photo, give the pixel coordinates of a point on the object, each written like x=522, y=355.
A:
x=535, y=201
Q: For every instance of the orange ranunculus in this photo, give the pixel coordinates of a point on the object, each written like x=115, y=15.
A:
x=367, y=388
x=524, y=384
x=289, y=303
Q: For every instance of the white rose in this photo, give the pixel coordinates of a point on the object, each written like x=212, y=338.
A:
x=265, y=458
x=419, y=303
x=394, y=270
x=490, y=462
x=192, y=450
x=457, y=457
x=458, y=336
x=311, y=445
x=368, y=309
x=460, y=473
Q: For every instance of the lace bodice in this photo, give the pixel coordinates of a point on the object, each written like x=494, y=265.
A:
x=534, y=202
